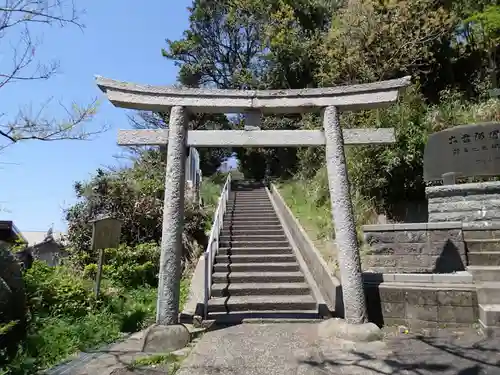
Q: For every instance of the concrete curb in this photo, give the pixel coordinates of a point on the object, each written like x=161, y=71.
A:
x=194, y=303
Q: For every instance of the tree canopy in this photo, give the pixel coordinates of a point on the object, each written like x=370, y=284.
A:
x=448, y=47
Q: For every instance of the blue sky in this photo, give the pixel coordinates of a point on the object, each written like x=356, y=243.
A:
x=122, y=40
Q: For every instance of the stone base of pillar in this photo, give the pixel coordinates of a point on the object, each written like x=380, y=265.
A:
x=340, y=329
x=165, y=338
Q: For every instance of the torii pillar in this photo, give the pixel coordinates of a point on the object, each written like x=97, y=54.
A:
x=329, y=100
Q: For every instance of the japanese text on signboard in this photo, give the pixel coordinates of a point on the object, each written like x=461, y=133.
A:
x=476, y=142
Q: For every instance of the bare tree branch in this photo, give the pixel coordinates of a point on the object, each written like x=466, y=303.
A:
x=29, y=125
x=17, y=18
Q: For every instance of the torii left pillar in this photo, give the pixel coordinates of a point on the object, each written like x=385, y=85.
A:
x=167, y=308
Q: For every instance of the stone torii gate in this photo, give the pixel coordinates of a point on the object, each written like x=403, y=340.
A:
x=182, y=101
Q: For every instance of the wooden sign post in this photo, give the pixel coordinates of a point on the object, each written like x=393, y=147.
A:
x=106, y=233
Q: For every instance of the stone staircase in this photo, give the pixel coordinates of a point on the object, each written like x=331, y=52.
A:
x=256, y=274
x=484, y=265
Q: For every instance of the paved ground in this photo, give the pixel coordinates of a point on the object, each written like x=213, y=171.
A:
x=292, y=349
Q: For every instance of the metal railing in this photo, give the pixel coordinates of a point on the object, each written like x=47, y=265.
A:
x=213, y=242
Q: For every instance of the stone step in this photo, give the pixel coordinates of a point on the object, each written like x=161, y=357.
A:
x=256, y=267
x=488, y=292
x=254, y=244
x=257, y=202
x=254, y=250
x=255, y=220
x=256, y=289
x=252, y=216
x=242, y=197
x=489, y=319
x=253, y=232
x=254, y=211
x=481, y=234
x=485, y=273
x=273, y=316
x=240, y=193
x=254, y=237
x=484, y=258
x=258, y=277
x=241, y=225
x=261, y=303
x=248, y=201
x=251, y=206
x=250, y=210
x=483, y=245
x=256, y=258
x=250, y=213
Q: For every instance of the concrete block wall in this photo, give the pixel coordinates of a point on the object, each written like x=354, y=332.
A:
x=424, y=304
x=414, y=248
x=473, y=202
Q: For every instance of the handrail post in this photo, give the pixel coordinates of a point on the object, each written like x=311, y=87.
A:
x=207, y=292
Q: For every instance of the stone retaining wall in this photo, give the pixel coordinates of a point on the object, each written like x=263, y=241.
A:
x=424, y=304
x=464, y=202
x=414, y=248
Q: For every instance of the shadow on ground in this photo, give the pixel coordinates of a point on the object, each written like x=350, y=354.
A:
x=296, y=349
x=442, y=353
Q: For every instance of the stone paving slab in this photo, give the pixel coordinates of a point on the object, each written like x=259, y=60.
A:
x=275, y=349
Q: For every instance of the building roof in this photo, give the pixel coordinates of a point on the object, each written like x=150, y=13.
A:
x=9, y=232
x=35, y=237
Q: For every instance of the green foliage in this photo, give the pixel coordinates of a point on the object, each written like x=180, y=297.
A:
x=374, y=40
x=170, y=361
x=57, y=291
x=309, y=200
x=487, y=24
x=66, y=318
x=134, y=195
x=131, y=267
x=310, y=43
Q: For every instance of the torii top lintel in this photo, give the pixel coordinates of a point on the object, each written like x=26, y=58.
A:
x=202, y=100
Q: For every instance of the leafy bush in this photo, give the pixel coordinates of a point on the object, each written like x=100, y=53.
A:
x=58, y=291
x=134, y=195
x=129, y=266
x=66, y=318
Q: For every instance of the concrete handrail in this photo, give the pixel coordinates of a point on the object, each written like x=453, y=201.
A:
x=213, y=241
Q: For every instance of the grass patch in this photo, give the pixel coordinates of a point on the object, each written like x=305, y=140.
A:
x=210, y=193
x=170, y=362
x=316, y=220
x=309, y=201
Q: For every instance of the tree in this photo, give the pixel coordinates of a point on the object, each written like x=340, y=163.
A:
x=222, y=46
x=133, y=194
x=251, y=44
x=376, y=40
x=18, y=19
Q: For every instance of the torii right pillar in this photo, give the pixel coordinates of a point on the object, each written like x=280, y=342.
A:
x=343, y=218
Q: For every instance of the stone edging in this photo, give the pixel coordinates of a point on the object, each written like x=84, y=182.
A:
x=463, y=189
x=433, y=226
x=462, y=277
